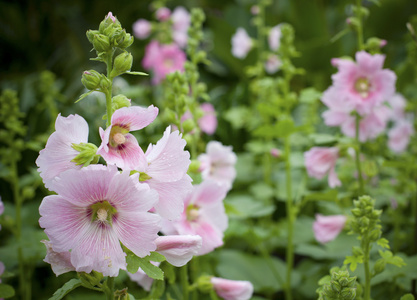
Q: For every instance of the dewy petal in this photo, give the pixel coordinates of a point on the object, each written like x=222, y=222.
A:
x=60, y=261
x=58, y=153
x=178, y=249
x=167, y=160
x=134, y=117
x=171, y=196
x=138, y=231
x=232, y=289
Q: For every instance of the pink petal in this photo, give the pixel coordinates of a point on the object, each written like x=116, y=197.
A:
x=368, y=63
x=333, y=180
x=134, y=117
x=60, y=261
x=232, y=289
x=178, y=249
x=327, y=228
x=208, y=122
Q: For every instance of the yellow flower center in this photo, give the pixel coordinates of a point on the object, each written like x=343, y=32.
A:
x=362, y=86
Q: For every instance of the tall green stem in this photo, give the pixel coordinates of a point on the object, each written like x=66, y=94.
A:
x=367, y=287
x=360, y=27
x=357, y=156
x=184, y=282
x=108, y=288
x=290, y=219
x=108, y=93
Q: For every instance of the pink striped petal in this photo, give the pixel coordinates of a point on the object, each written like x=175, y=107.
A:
x=178, y=249
x=134, y=117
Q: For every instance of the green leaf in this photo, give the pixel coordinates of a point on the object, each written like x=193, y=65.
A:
x=383, y=242
x=6, y=291
x=134, y=263
x=137, y=73
x=407, y=297
x=353, y=261
x=391, y=259
x=66, y=288
x=83, y=96
x=322, y=138
x=309, y=95
x=285, y=128
x=245, y=206
x=330, y=195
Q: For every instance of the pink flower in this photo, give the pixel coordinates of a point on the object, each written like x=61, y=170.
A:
x=364, y=84
x=181, y=20
x=178, y=249
x=120, y=147
x=1, y=207
x=142, y=29
x=110, y=15
x=241, y=43
x=327, y=228
x=218, y=163
x=399, y=136
x=163, y=14
x=272, y=64
x=60, y=261
x=151, y=55
x=2, y=268
x=232, y=289
x=254, y=9
x=203, y=215
x=208, y=122
x=275, y=152
x=398, y=104
x=165, y=171
x=142, y=279
x=95, y=209
x=274, y=37
x=321, y=161
x=58, y=153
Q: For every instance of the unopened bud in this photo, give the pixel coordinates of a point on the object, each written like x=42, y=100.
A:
x=122, y=63
x=188, y=125
x=101, y=43
x=348, y=294
x=90, y=35
x=204, y=284
x=194, y=166
x=120, y=101
x=91, y=79
x=109, y=25
x=379, y=266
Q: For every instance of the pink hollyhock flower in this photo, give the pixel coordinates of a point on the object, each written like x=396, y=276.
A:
x=181, y=21
x=95, y=209
x=1, y=207
x=272, y=64
x=232, y=289
x=320, y=161
x=275, y=152
x=171, y=58
x=398, y=104
x=203, y=215
x=60, y=261
x=241, y=43
x=274, y=37
x=363, y=84
x=163, y=14
x=142, y=279
x=327, y=228
x=178, y=249
x=399, y=136
x=142, y=29
x=120, y=147
x=218, y=163
x=58, y=153
x=165, y=171
x=208, y=122
x=2, y=268
x=254, y=10
x=151, y=55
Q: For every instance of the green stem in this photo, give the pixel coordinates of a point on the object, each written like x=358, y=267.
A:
x=357, y=156
x=268, y=258
x=108, y=92
x=360, y=29
x=367, y=287
x=108, y=288
x=184, y=282
x=213, y=295
x=290, y=219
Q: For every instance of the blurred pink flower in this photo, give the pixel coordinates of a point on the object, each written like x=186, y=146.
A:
x=60, y=261
x=241, y=43
x=208, y=122
x=163, y=14
x=120, y=147
x=321, y=161
x=397, y=103
x=327, y=228
x=178, y=249
x=58, y=153
x=274, y=37
x=272, y=64
x=166, y=166
x=363, y=84
x=2, y=268
x=218, y=163
x=142, y=29
x=254, y=9
x=399, y=135
x=181, y=20
x=95, y=210
x=275, y=152
x=232, y=289
x=151, y=55
x=203, y=215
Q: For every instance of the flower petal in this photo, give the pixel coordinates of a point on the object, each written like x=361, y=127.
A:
x=134, y=117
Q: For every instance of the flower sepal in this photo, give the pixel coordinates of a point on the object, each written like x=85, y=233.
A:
x=87, y=154
x=90, y=280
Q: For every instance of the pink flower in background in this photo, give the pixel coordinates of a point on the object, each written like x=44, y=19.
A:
x=321, y=161
x=241, y=43
x=208, y=122
x=120, y=147
x=166, y=172
x=163, y=14
x=272, y=64
x=327, y=228
x=274, y=37
x=151, y=55
x=178, y=249
x=399, y=136
x=142, y=279
x=275, y=152
x=218, y=163
x=232, y=289
x=58, y=153
x=60, y=261
x=203, y=215
x=364, y=84
x=181, y=21
x=398, y=104
x=2, y=268
x=142, y=29
x=95, y=209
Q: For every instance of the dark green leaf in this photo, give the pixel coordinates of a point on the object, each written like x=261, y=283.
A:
x=6, y=291
x=66, y=288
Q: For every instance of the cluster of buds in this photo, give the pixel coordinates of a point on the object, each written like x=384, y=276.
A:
x=366, y=219
x=340, y=286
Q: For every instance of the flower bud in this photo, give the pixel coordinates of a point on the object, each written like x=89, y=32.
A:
x=379, y=266
x=122, y=39
x=348, y=294
x=122, y=63
x=90, y=35
x=120, y=101
x=109, y=25
x=194, y=166
x=91, y=79
x=101, y=43
x=188, y=125
x=204, y=284
x=375, y=235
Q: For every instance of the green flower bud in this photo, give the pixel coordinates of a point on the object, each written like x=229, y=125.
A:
x=379, y=266
x=194, y=166
x=356, y=212
x=101, y=43
x=120, y=101
x=370, y=168
x=91, y=34
x=348, y=294
x=87, y=154
x=105, y=83
x=124, y=41
x=204, y=284
x=188, y=125
x=122, y=63
x=91, y=80
x=109, y=25
x=375, y=235
x=92, y=279
x=170, y=116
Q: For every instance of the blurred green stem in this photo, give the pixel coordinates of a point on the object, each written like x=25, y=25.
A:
x=184, y=282
x=367, y=286
x=108, y=288
x=357, y=156
x=359, y=29
x=109, y=63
